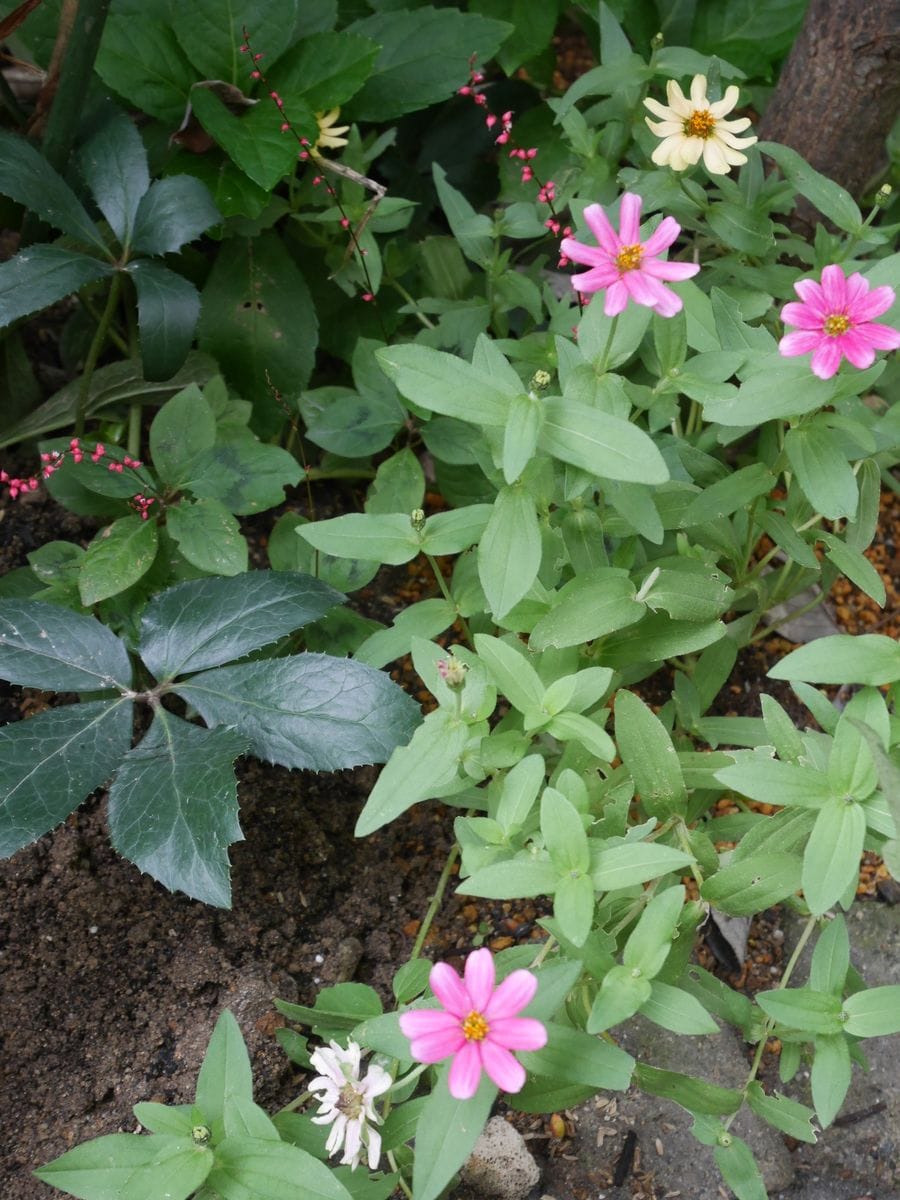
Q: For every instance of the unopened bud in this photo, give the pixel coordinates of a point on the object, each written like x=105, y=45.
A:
x=453, y=672
x=540, y=381
x=657, y=41
x=883, y=195
x=417, y=519
x=200, y=1135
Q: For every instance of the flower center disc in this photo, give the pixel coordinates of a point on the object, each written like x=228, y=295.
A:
x=349, y=1102
x=700, y=123
x=836, y=324
x=475, y=1027
x=629, y=257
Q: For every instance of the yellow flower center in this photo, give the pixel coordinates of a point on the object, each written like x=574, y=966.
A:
x=701, y=123
x=475, y=1027
x=836, y=324
x=629, y=257
x=349, y=1102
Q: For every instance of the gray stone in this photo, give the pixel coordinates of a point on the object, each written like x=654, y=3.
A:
x=818, y=622
x=500, y=1165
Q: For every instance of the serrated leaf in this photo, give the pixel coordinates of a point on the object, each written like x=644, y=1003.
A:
x=173, y=807
x=141, y=60
x=211, y=34
x=117, y=557
x=254, y=140
x=173, y=212
x=45, y=646
x=325, y=69
x=204, y=623
x=168, y=308
x=310, y=710
x=114, y=165
x=208, y=536
x=41, y=275
x=53, y=761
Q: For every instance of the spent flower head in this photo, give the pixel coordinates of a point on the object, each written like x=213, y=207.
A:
x=625, y=267
x=691, y=127
x=835, y=321
x=346, y=1102
x=478, y=1025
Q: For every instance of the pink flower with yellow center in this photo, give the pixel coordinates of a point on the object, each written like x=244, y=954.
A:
x=625, y=267
x=835, y=321
x=478, y=1025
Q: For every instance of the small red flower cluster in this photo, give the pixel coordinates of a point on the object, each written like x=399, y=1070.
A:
x=52, y=460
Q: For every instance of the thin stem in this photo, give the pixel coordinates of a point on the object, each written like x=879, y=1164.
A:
x=798, y=612
x=404, y=1186
x=294, y=1104
x=542, y=953
x=445, y=591
x=684, y=842
x=436, y=900
x=604, y=357
x=134, y=430
x=410, y=299
x=93, y=354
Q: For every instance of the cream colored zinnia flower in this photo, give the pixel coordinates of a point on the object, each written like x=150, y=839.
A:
x=329, y=134
x=693, y=127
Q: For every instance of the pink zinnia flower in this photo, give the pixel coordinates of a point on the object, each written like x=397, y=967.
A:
x=625, y=267
x=835, y=321
x=477, y=1025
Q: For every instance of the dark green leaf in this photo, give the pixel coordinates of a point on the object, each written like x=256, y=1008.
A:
x=741, y=228
x=168, y=308
x=27, y=178
x=325, y=69
x=182, y=429
x=117, y=557
x=254, y=140
x=175, y=210
x=44, y=646
x=208, y=536
x=696, y=1095
x=245, y=475
x=52, y=761
x=204, y=623
x=42, y=275
x=140, y=59
x=211, y=34
x=114, y=164
x=310, y=711
x=829, y=198
x=173, y=807
x=346, y=423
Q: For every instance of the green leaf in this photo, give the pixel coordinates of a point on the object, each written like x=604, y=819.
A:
x=509, y=553
x=446, y=1132
x=572, y=1056
x=831, y=859
x=310, y=710
x=829, y=198
x=425, y=769
x=616, y=867
x=512, y=879
x=444, y=383
x=168, y=308
x=874, y=1012
x=695, y=1095
x=258, y=318
x=827, y=479
x=777, y=388
x=784, y=1114
x=141, y=60
x=831, y=958
x=254, y=140
x=854, y=564
x=267, y=1170
x=753, y=884
x=520, y=437
x=337, y=1009
x=45, y=646
x=741, y=228
x=124, y=1166
x=648, y=753
x=424, y=58
x=510, y=669
x=51, y=763
x=27, y=178
x=117, y=557
x=607, y=346
x=398, y=486
x=164, y=1118
x=573, y=906
x=346, y=423
x=387, y=538
x=651, y=939
x=605, y=445
x=207, y=622
x=782, y=532
x=830, y=1076
x=114, y=165
x=225, y=1073
x=211, y=35
x=42, y=275
x=802, y=1009
x=173, y=807
x=623, y=991
x=325, y=69
x=181, y=430
x=771, y=782
x=244, y=475
x=727, y=495
x=472, y=230
x=456, y=530
x=587, y=607
x=677, y=1010
x=425, y=619
x=208, y=536
x=868, y=658
x=174, y=211
x=739, y=1170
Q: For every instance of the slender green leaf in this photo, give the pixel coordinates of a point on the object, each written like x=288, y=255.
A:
x=829, y=198
x=753, y=884
x=830, y=1076
x=168, y=308
x=589, y=606
x=649, y=755
x=696, y=1095
x=124, y=1166
x=572, y=1056
x=874, y=1012
x=446, y=1132
x=831, y=860
x=803, y=1009
x=225, y=1072
x=248, y=1167
x=739, y=1169
x=27, y=178
x=445, y=383
x=784, y=1114
x=677, y=1010
x=509, y=553
x=868, y=658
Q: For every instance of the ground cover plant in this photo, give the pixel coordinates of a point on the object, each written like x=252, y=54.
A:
x=611, y=472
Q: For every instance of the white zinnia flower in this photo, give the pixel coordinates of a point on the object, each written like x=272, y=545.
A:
x=694, y=127
x=346, y=1100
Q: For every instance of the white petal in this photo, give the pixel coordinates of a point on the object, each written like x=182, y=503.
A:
x=727, y=103
x=714, y=158
x=677, y=102
x=737, y=126
x=660, y=110
x=374, y=1140
x=698, y=92
x=664, y=128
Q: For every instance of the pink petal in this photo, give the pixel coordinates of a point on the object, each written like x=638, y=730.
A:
x=672, y=272
x=518, y=1033
x=433, y=1047
x=480, y=976
x=502, y=1068
x=595, y=280
x=422, y=1021
x=856, y=349
x=668, y=304
x=616, y=299
x=801, y=315
x=827, y=358
x=882, y=337
x=589, y=256
x=857, y=288
x=834, y=288
x=876, y=302
x=598, y=223
x=810, y=293
x=802, y=342
x=514, y=993
x=449, y=989
x=465, y=1071
x=662, y=236
x=630, y=219
x=643, y=289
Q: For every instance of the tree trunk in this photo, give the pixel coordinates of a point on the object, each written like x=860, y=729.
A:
x=839, y=91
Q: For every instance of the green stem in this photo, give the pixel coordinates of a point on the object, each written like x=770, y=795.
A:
x=340, y=473
x=445, y=591
x=604, y=357
x=294, y=1104
x=436, y=900
x=684, y=842
x=398, y=287
x=542, y=953
x=93, y=354
x=798, y=612
x=134, y=430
